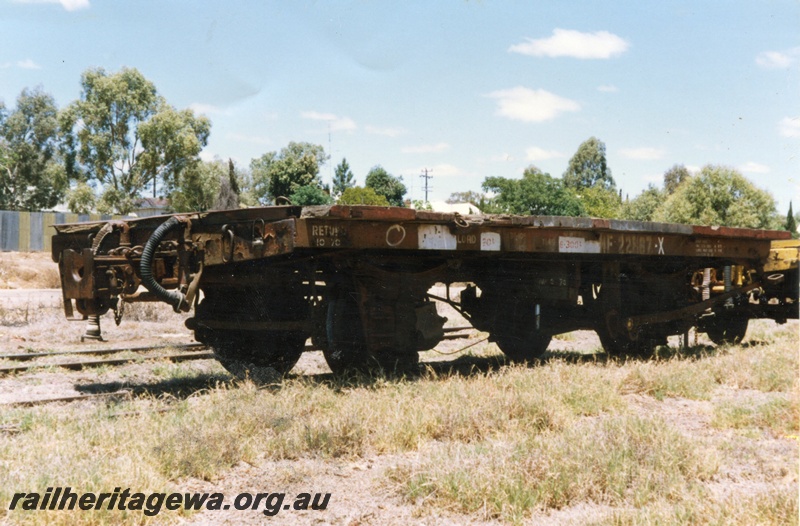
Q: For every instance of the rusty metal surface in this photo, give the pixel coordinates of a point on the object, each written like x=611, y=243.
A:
x=218, y=238
x=357, y=279
x=245, y=241
x=783, y=255
x=572, y=236
x=371, y=227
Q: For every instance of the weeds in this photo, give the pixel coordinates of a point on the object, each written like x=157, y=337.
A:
x=619, y=460
x=502, y=444
x=777, y=507
x=779, y=416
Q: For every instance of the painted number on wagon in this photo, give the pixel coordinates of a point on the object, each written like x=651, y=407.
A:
x=490, y=241
x=326, y=236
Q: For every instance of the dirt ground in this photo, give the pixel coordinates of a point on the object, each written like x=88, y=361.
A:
x=28, y=270
x=31, y=320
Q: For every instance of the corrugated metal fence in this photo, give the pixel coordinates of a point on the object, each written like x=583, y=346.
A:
x=32, y=231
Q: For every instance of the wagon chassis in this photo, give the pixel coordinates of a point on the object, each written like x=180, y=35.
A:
x=357, y=280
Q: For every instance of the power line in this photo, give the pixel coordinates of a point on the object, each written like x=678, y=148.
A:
x=330, y=157
x=425, y=175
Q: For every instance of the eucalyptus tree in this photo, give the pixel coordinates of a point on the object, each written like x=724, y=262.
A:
x=32, y=173
x=537, y=193
x=281, y=174
x=126, y=136
x=387, y=185
x=588, y=167
x=719, y=195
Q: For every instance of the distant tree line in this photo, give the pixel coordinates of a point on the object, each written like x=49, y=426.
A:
x=716, y=195
x=121, y=140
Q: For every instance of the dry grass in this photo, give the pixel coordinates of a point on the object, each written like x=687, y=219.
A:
x=780, y=416
x=620, y=460
x=501, y=444
x=777, y=507
x=28, y=270
x=769, y=364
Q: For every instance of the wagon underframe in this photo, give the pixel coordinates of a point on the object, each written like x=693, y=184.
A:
x=357, y=280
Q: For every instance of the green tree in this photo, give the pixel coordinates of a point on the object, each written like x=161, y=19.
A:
x=342, y=178
x=387, y=185
x=537, y=193
x=197, y=188
x=277, y=174
x=719, y=196
x=357, y=195
x=600, y=202
x=126, y=136
x=791, y=222
x=644, y=205
x=465, y=197
x=229, y=190
x=32, y=174
x=310, y=195
x=674, y=177
x=421, y=204
x=81, y=198
x=172, y=141
x=588, y=167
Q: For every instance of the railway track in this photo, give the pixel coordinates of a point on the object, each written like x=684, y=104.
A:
x=198, y=354
x=193, y=351
x=81, y=364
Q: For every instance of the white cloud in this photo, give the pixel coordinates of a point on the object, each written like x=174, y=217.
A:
x=28, y=64
x=752, y=167
x=69, y=5
x=437, y=171
x=22, y=64
x=446, y=170
x=570, y=43
x=644, y=154
x=426, y=148
x=336, y=123
x=778, y=59
x=790, y=127
x=529, y=105
x=607, y=88
x=534, y=153
x=74, y=5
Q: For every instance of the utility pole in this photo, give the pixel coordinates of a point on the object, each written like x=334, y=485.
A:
x=425, y=176
x=330, y=157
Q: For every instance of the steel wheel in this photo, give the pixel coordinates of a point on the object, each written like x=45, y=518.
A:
x=346, y=350
x=727, y=330
x=262, y=357
x=521, y=347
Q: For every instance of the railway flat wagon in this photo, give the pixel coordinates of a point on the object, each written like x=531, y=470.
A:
x=358, y=280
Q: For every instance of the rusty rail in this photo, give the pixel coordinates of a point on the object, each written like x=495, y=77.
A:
x=76, y=366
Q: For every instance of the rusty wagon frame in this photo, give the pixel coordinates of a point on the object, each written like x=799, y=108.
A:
x=357, y=280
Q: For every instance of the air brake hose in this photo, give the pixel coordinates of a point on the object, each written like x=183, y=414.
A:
x=174, y=297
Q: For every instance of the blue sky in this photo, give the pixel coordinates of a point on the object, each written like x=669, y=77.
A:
x=465, y=89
